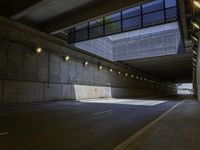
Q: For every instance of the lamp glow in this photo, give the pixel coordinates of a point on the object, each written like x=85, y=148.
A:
x=39, y=50
x=196, y=25
x=194, y=60
x=119, y=72
x=111, y=70
x=126, y=74
x=132, y=76
x=194, y=52
x=194, y=38
x=66, y=58
x=100, y=67
x=196, y=3
x=86, y=63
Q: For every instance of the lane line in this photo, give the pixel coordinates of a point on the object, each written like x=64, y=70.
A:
x=132, y=138
x=3, y=133
x=102, y=112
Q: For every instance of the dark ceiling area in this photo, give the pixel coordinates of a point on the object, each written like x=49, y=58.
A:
x=55, y=16
x=175, y=68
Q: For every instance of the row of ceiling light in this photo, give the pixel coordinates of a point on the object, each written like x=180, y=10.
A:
x=100, y=67
x=195, y=38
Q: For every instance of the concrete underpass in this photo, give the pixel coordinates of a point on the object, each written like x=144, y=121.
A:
x=99, y=75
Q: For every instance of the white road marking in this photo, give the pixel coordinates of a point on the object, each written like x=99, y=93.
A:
x=102, y=112
x=131, y=139
x=3, y=133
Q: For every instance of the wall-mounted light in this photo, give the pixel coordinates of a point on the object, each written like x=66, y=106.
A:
x=38, y=50
x=111, y=70
x=193, y=69
x=194, y=59
x=137, y=77
x=194, y=52
x=85, y=63
x=145, y=79
x=126, y=74
x=196, y=3
x=195, y=38
x=132, y=76
x=195, y=24
x=119, y=72
x=100, y=67
x=66, y=58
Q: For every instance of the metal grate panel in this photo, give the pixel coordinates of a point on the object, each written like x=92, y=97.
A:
x=149, y=14
x=96, y=32
x=112, y=28
x=153, y=18
x=132, y=23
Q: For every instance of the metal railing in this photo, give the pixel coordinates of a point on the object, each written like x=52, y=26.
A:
x=145, y=15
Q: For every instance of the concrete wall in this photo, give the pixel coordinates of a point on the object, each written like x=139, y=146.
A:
x=20, y=92
x=1, y=91
x=29, y=77
x=196, y=77
x=85, y=92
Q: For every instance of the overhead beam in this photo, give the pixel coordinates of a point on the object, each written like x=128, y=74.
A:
x=182, y=12
x=37, y=4
x=91, y=12
x=10, y=8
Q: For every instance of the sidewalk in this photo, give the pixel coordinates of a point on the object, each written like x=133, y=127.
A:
x=177, y=130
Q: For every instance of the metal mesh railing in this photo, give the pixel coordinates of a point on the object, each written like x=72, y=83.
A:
x=149, y=14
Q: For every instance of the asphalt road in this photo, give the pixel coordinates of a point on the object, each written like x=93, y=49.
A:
x=73, y=125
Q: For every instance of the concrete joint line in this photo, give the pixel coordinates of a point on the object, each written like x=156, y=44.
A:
x=3, y=133
x=132, y=138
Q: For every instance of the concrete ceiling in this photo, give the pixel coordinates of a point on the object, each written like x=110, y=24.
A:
x=50, y=9
x=175, y=68
x=56, y=15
